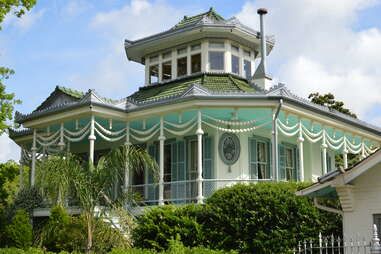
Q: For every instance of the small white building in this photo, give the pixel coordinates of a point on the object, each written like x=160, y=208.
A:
x=359, y=191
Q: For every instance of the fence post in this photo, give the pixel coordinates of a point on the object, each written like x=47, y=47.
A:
x=320, y=244
x=375, y=247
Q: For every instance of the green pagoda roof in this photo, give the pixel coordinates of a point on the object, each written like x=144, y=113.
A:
x=204, y=83
x=198, y=18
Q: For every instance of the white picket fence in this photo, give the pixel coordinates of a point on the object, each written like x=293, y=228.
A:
x=337, y=245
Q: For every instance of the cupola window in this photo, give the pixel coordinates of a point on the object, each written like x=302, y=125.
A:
x=167, y=55
x=235, y=64
x=166, y=70
x=216, y=60
x=247, y=68
x=182, y=66
x=196, y=47
x=196, y=63
x=154, y=74
x=216, y=45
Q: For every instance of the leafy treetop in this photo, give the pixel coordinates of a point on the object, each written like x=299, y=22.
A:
x=329, y=101
x=17, y=6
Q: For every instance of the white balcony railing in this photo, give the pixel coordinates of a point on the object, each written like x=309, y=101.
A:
x=179, y=192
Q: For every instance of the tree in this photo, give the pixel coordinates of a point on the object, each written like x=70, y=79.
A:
x=94, y=184
x=7, y=100
x=8, y=182
x=19, y=231
x=329, y=101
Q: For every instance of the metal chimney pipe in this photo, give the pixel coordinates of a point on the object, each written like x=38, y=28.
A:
x=262, y=12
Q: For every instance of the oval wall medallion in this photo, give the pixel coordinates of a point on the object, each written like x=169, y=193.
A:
x=229, y=148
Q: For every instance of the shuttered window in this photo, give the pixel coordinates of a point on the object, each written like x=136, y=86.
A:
x=259, y=158
x=288, y=162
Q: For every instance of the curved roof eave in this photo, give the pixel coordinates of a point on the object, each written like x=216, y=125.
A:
x=137, y=107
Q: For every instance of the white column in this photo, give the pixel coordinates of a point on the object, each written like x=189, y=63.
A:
x=274, y=141
x=189, y=70
x=228, y=56
x=174, y=63
x=161, y=162
x=324, y=150
x=345, y=153
x=204, y=56
x=34, y=150
x=199, y=133
x=146, y=71
x=92, y=139
x=61, y=144
x=301, y=153
x=127, y=143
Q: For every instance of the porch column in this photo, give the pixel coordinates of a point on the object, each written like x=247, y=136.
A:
x=127, y=143
x=199, y=133
x=274, y=143
x=92, y=139
x=324, y=150
x=161, y=162
x=301, y=155
x=34, y=151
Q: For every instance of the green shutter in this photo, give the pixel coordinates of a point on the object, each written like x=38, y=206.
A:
x=253, y=158
x=282, y=162
x=207, y=167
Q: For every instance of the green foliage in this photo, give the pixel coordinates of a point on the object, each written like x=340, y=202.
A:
x=62, y=232
x=27, y=199
x=19, y=7
x=157, y=227
x=329, y=101
x=8, y=182
x=19, y=231
x=261, y=218
x=255, y=218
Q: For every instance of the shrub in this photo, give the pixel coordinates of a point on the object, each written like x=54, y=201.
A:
x=62, y=232
x=27, y=199
x=19, y=231
x=261, y=218
x=159, y=225
x=255, y=218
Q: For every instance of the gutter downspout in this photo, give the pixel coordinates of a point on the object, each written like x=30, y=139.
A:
x=326, y=208
x=275, y=141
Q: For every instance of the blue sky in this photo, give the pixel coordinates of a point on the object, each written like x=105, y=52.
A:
x=326, y=46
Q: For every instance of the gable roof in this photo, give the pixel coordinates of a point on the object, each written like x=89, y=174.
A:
x=75, y=95
x=326, y=183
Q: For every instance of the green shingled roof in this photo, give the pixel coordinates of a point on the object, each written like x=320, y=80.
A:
x=212, y=82
x=194, y=19
x=71, y=92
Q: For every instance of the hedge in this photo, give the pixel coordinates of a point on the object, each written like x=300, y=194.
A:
x=249, y=218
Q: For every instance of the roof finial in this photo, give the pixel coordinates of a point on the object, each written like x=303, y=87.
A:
x=211, y=9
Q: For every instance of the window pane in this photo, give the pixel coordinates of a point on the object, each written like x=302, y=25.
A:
x=216, y=60
x=216, y=45
x=261, y=152
x=235, y=64
x=181, y=66
x=153, y=74
x=247, y=68
x=289, y=158
x=196, y=63
x=167, y=70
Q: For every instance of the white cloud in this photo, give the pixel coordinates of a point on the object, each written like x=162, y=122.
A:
x=8, y=149
x=25, y=22
x=76, y=7
x=317, y=48
x=114, y=74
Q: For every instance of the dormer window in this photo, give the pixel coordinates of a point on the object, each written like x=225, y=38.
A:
x=196, y=63
x=247, y=68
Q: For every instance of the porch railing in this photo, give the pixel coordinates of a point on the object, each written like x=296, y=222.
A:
x=178, y=192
